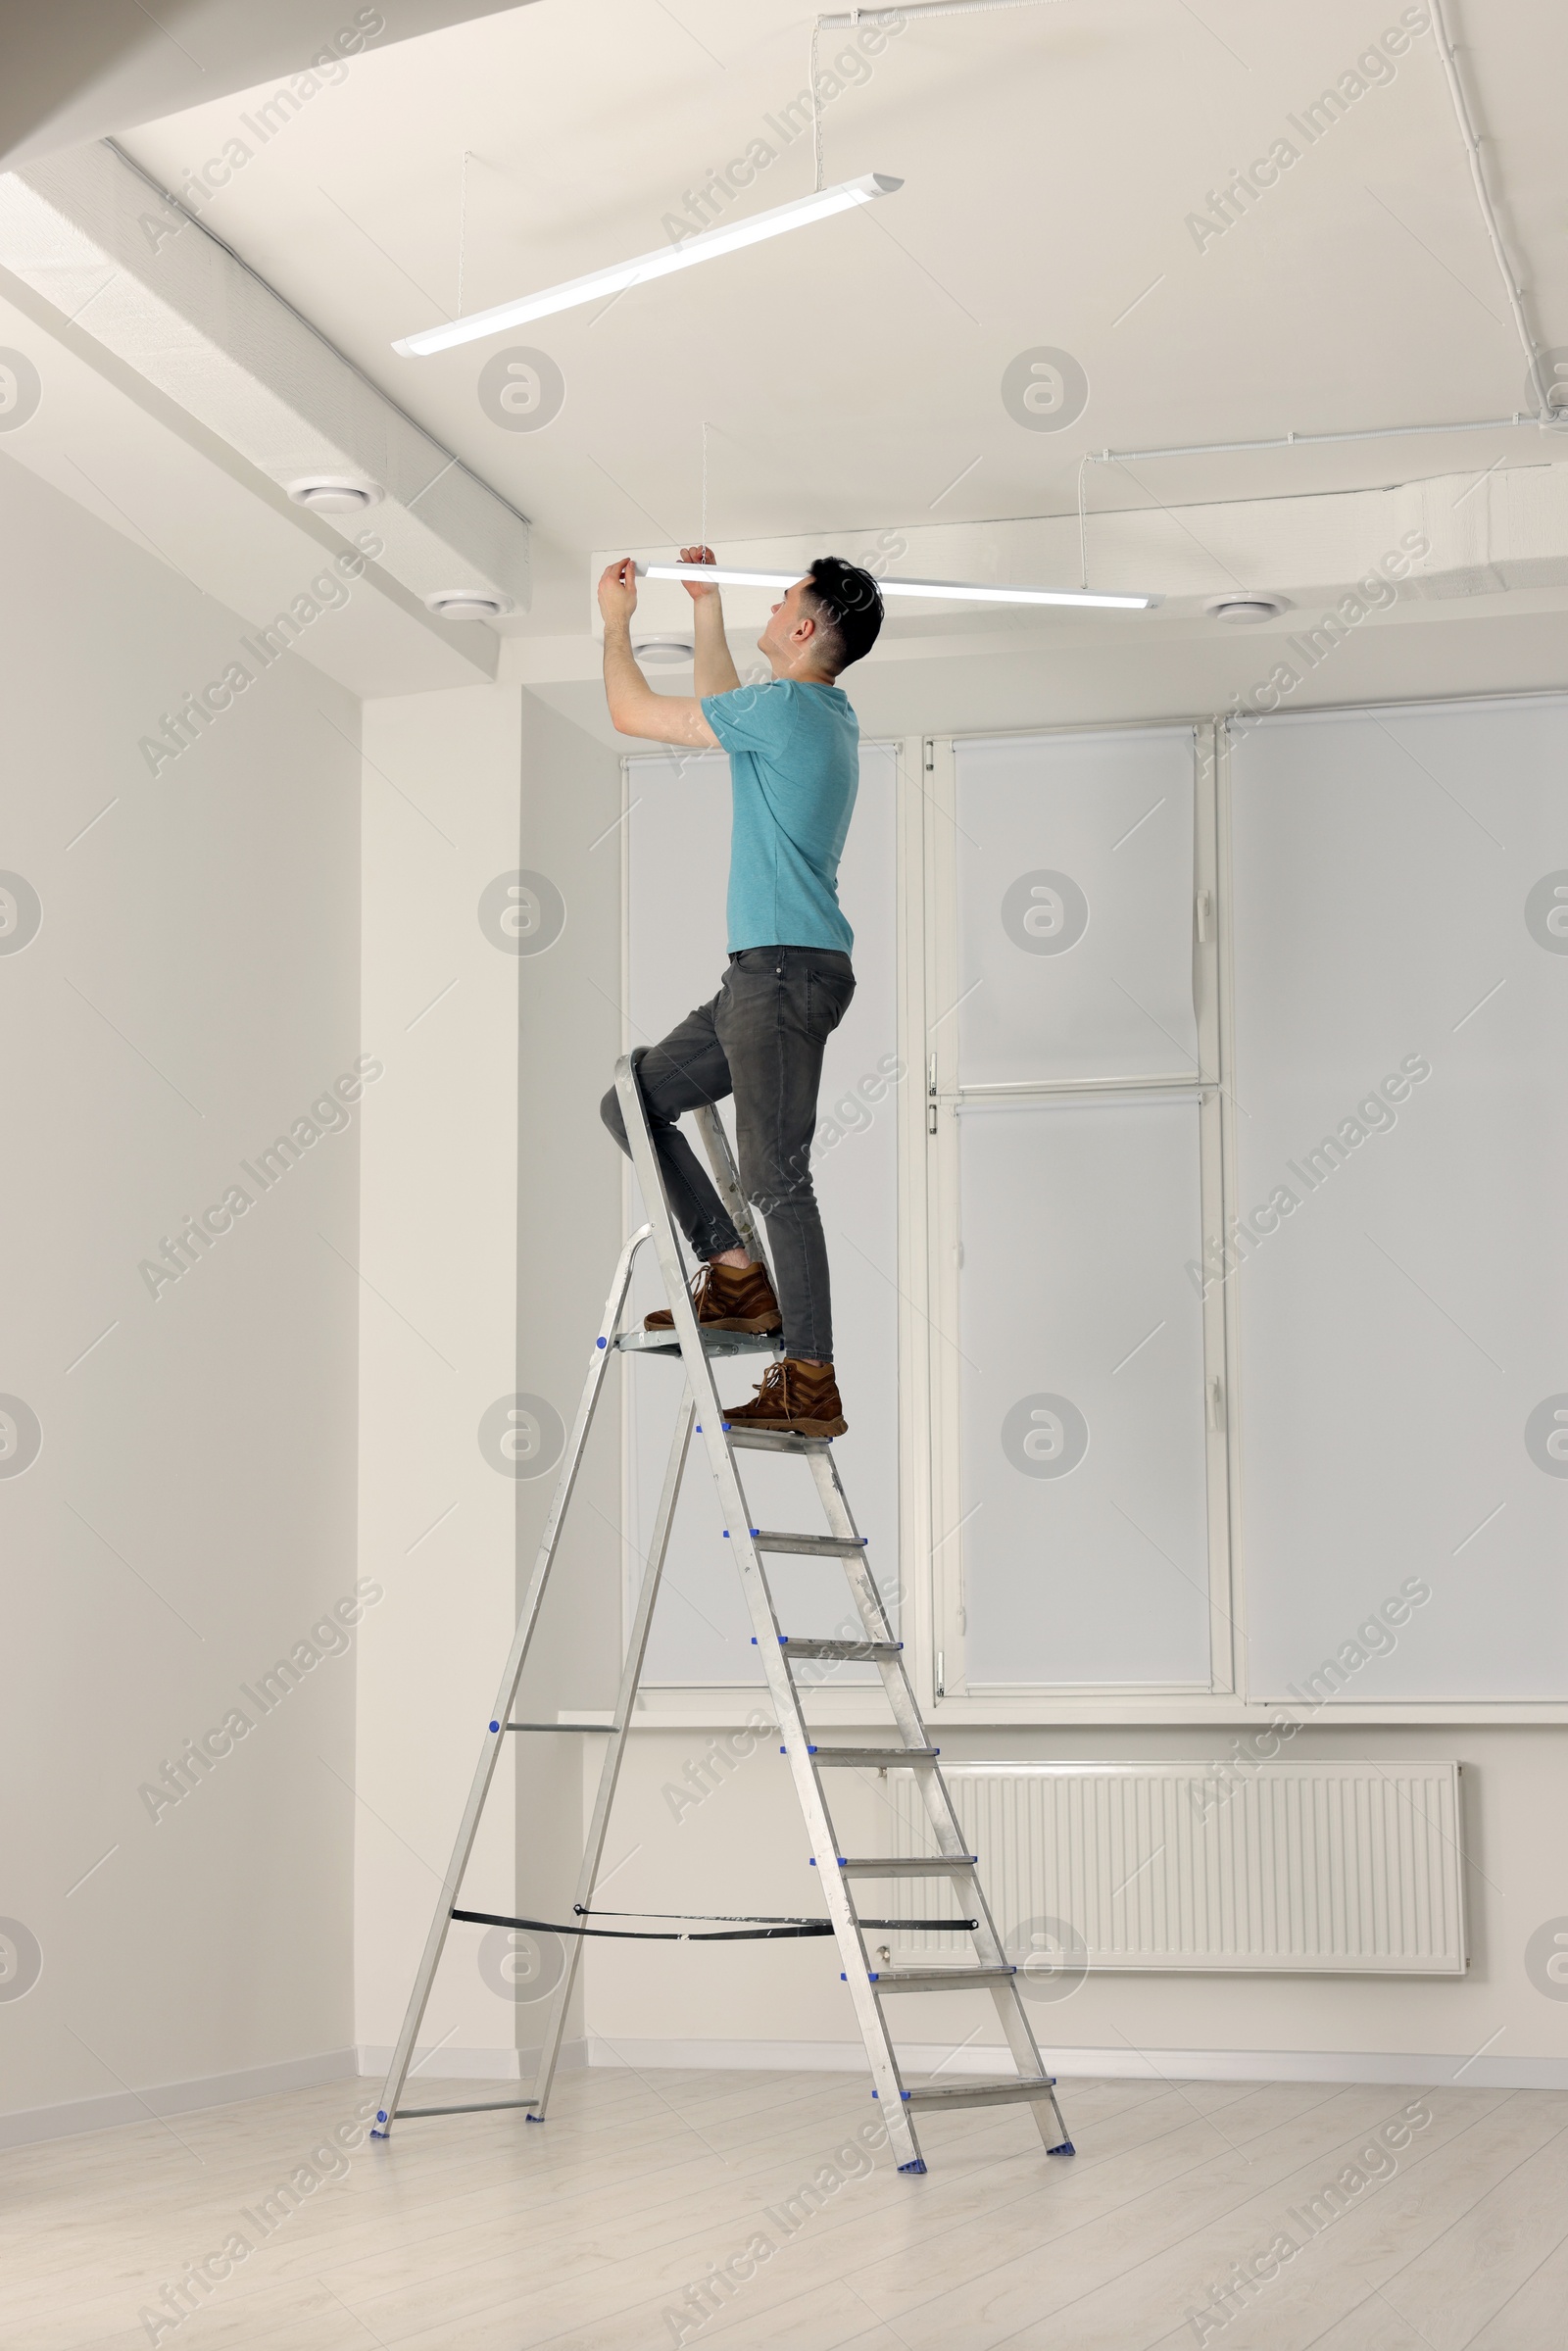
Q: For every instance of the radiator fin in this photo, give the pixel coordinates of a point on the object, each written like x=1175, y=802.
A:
x=1309, y=1868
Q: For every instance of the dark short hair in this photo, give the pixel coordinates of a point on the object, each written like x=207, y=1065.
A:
x=846, y=604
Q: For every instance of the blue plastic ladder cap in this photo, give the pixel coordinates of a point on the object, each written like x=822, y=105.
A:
x=601, y=1343
x=726, y=1533
x=916, y=2166
x=382, y=2117
x=495, y=1726
x=1066, y=2148
x=374, y=2134
x=754, y=1529
x=534, y=2118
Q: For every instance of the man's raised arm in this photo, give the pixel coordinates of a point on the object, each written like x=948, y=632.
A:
x=715, y=670
x=634, y=708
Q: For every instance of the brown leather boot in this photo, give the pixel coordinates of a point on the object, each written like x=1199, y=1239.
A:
x=727, y=1298
x=800, y=1398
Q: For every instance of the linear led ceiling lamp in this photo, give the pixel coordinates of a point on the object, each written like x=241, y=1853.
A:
x=704, y=245
x=719, y=576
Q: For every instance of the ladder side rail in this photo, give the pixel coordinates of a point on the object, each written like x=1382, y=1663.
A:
x=886, y=2079
x=868, y=1600
x=726, y=1178
x=616, y=1745
x=490, y=1753
x=936, y=1795
x=950, y=1840
x=896, y=1683
x=989, y=1948
x=1026, y=2051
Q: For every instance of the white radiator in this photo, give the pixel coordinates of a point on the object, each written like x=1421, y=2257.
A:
x=1306, y=1868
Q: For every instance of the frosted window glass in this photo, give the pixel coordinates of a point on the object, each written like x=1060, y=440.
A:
x=1402, y=1330
x=1075, y=906
x=1085, y=1518
x=678, y=855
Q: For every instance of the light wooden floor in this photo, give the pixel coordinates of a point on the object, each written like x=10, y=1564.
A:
x=482, y=2234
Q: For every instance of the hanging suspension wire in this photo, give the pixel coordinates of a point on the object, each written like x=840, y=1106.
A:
x=463, y=228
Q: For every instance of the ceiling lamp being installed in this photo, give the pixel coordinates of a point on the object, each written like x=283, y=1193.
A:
x=970, y=592
x=706, y=245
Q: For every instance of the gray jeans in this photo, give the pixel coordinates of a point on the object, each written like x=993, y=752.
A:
x=761, y=1040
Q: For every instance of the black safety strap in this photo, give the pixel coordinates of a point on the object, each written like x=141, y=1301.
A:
x=756, y=1930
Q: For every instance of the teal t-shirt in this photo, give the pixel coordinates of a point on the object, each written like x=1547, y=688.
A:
x=795, y=767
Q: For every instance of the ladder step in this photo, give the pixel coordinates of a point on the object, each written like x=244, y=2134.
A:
x=860, y=1759
x=773, y=1441
x=813, y=1546
x=876, y=1866
x=714, y=1342
x=937, y=1979
x=1006, y=2091
x=849, y=1651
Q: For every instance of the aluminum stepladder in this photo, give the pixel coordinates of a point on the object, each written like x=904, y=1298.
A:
x=701, y=1413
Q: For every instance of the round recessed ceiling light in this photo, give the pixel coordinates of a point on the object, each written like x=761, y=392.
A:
x=468, y=604
x=1244, y=612
x=665, y=653
x=325, y=496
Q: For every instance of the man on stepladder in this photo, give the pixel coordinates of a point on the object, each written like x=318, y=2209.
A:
x=794, y=756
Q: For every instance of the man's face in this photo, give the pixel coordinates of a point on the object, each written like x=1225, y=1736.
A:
x=777, y=639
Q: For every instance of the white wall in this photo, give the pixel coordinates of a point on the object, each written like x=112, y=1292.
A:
x=195, y=984
x=741, y=1846
x=491, y=1215
x=193, y=987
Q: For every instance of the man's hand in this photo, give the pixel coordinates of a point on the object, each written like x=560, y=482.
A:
x=694, y=587
x=618, y=592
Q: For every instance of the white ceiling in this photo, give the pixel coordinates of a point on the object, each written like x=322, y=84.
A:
x=78, y=68
x=848, y=372
x=850, y=377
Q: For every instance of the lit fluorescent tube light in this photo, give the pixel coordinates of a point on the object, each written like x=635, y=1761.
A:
x=705, y=245
x=721, y=575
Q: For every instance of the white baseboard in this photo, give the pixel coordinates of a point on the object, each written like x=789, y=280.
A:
x=106, y=2113
x=1420, y=2070
x=372, y=2059
x=443, y=2063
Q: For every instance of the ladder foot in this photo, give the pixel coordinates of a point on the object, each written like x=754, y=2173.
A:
x=919, y=2165
x=539, y=2118
x=1066, y=2148
x=379, y=2135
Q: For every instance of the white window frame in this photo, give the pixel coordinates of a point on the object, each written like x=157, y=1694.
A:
x=932, y=976
x=931, y=1626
